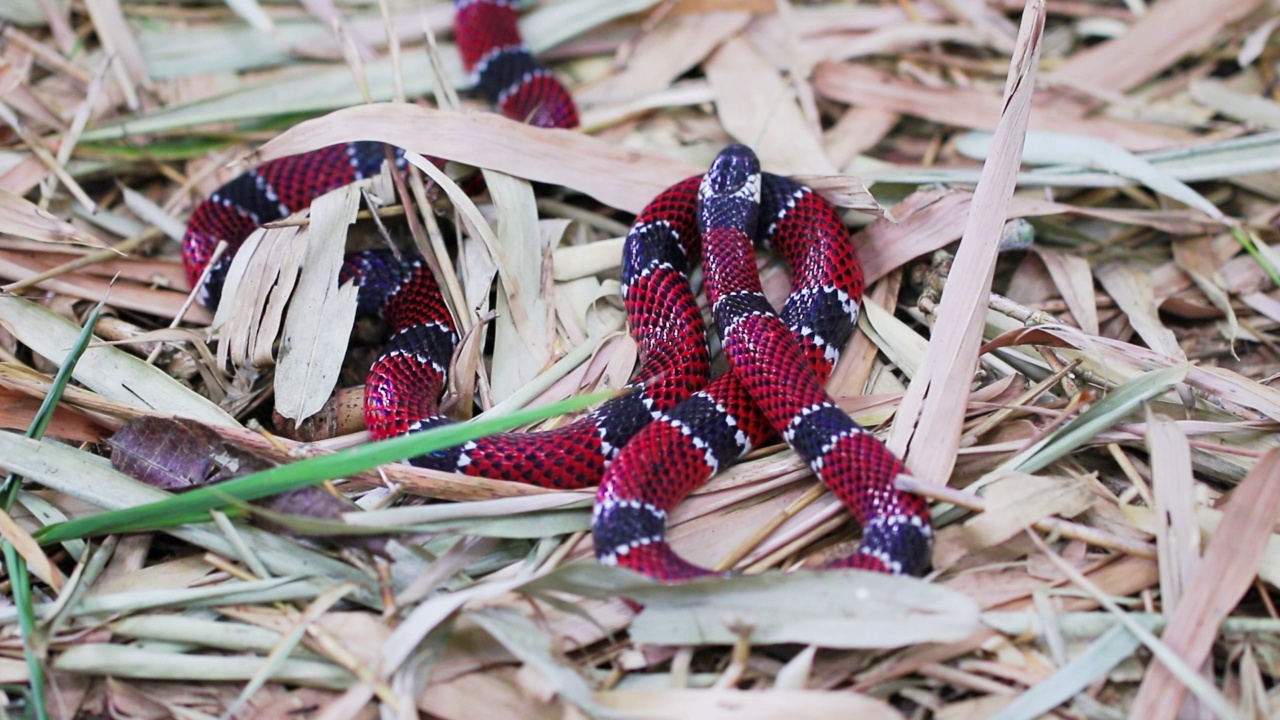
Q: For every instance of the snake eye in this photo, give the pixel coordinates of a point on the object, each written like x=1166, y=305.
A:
x=735, y=169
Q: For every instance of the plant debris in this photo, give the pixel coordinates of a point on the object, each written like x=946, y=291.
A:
x=1068, y=213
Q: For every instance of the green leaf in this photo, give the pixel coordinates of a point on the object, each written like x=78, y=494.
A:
x=829, y=608
x=17, y=565
x=1094, y=663
x=1104, y=414
x=168, y=513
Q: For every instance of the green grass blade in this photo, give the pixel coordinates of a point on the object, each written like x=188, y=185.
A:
x=44, y=415
x=21, y=584
x=276, y=480
x=18, y=578
x=1104, y=654
x=1102, y=415
x=1247, y=241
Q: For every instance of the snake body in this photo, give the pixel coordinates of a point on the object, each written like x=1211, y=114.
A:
x=649, y=447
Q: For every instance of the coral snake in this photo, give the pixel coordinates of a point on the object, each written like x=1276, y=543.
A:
x=650, y=447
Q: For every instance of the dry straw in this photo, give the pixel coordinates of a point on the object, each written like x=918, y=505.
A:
x=1093, y=417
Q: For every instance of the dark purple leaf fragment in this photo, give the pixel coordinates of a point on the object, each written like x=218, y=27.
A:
x=177, y=455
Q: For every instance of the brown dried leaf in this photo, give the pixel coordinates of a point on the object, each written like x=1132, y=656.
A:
x=979, y=109
x=669, y=51
x=757, y=107
x=620, y=177
x=1165, y=34
x=929, y=419
x=1228, y=570
x=1132, y=291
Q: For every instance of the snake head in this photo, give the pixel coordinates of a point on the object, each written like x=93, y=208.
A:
x=734, y=173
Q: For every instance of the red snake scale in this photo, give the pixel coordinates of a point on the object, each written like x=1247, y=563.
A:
x=672, y=430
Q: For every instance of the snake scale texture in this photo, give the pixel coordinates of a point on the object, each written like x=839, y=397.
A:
x=651, y=446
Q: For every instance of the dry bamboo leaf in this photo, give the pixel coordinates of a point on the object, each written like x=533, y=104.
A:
x=133, y=296
x=522, y=637
x=24, y=219
x=38, y=563
x=454, y=698
x=1132, y=291
x=684, y=93
x=844, y=191
x=830, y=44
x=431, y=614
x=926, y=221
x=1230, y=565
x=1086, y=668
x=1239, y=106
x=929, y=419
x=118, y=40
x=1209, y=520
x=137, y=662
x=980, y=708
x=938, y=60
x=106, y=370
x=830, y=608
x=1256, y=41
x=578, y=261
x=898, y=341
x=22, y=175
x=1124, y=360
x=1046, y=148
x=26, y=12
x=1171, y=30
x=1014, y=502
x=986, y=17
x=757, y=107
x=477, y=272
x=978, y=109
x=929, y=219
x=144, y=208
x=259, y=283
x=710, y=6
x=715, y=525
x=725, y=704
x=522, y=333
x=1074, y=280
x=623, y=178
x=673, y=48
x=321, y=313
x=858, y=130
x=1196, y=258
x=808, y=21
x=253, y=14
x=554, y=23
x=18, y=410
x=1177, y=537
